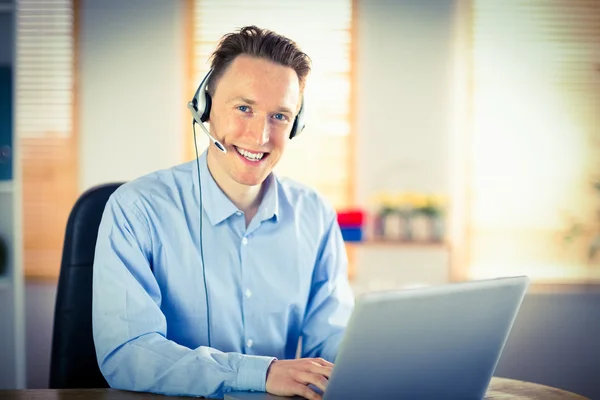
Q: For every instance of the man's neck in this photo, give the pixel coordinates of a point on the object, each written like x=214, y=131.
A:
x=245, y=198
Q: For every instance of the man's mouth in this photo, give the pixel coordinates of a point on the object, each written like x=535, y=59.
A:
x=249, y=155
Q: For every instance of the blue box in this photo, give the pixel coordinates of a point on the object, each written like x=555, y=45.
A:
x=352, y=234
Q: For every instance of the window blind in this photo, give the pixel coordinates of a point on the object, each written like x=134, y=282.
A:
x=535, y=138
x=45, y=73
x=321, y=155
x=45, y=100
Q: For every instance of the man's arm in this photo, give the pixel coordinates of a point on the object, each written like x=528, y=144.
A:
x=130, y=329
x=331, y=299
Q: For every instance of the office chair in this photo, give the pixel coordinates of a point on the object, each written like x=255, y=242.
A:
x=73, y=361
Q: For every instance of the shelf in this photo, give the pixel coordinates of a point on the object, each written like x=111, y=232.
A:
x=398, y=244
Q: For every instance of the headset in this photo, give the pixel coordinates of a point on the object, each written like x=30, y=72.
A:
x=200, y=106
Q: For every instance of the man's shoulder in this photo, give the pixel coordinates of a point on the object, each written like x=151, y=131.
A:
x=161, y=183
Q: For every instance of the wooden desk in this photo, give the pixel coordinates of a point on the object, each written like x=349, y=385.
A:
x=499, y=388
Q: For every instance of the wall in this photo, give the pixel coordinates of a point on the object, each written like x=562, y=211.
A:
x=404, y=64
x=404, y=97
x=131, y=97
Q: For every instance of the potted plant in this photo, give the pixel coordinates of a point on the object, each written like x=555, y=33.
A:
x=432, y=208
x=385, y=215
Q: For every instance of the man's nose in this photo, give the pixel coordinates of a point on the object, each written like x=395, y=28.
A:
x=259, y=130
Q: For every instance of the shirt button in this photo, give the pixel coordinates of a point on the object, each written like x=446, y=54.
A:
x=249, y=343
x=248, y=293
x=245, y=241
x=238, y=213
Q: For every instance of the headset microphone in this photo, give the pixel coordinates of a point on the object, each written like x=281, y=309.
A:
x=197, y=119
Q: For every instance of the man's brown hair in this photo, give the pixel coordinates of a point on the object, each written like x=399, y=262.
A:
x=262, y=43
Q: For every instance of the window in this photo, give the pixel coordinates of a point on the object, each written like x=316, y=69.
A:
x=45, y=128
x=535, y=139
x=321, y=155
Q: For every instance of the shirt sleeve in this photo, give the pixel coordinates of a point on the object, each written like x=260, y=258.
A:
x=331, y=299
x=130, y=330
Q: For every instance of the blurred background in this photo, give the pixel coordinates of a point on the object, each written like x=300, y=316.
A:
x=458, y=139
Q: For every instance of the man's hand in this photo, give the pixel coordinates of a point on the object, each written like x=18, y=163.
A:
x=292, y=377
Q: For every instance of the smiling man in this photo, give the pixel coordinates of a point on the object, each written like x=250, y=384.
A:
x=207, y=274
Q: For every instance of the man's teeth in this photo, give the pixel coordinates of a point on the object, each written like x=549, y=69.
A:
x=250, y=156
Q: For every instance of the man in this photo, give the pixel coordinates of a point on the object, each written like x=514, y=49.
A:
x=184, y=310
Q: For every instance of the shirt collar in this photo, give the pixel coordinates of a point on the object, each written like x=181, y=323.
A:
x=269, y=207
x=217, y=205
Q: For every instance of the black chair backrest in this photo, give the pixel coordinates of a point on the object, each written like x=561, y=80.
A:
x=73, y=361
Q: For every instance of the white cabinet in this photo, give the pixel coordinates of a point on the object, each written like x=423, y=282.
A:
x=392, y=266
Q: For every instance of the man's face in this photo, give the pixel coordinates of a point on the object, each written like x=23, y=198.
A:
x=253, y=110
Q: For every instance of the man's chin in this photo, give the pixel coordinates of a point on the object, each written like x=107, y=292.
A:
x=250, y=180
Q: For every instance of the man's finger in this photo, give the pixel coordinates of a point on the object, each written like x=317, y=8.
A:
x=323, y=362
x=319, y=369
x=306, y=392
x=315, y=379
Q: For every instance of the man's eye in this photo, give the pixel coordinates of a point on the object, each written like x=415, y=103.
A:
x=280, y=117
x=244, y=108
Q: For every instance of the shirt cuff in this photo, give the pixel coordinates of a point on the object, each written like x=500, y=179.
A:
x=252, y=374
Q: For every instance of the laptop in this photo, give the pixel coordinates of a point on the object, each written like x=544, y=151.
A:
x=440, y=342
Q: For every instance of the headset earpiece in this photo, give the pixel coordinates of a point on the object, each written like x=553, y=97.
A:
x=199, y=106
x=206, y=108
x=299, y=123
x=201, y=103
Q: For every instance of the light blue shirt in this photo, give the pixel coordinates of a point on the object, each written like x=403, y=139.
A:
x=281, y=278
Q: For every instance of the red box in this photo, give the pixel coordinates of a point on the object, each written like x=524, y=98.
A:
x=350, y=218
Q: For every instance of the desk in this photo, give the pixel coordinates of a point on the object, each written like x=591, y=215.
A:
x=499, y=388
